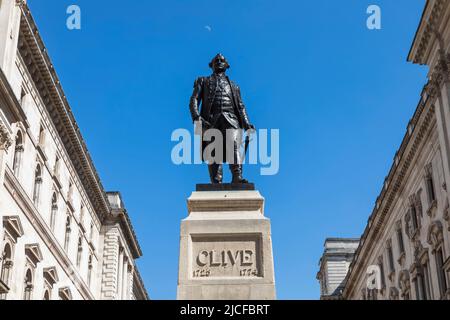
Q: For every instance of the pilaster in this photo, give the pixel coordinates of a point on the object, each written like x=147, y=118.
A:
x=10, y=14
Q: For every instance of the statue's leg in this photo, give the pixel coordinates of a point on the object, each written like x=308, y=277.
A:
x=236, y=167
x=216, y=173
x=236, y=170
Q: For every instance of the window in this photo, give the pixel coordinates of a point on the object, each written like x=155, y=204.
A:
x=46, y=295
x=441, y=272
x=91, y=232
x=414, y=219
x=41, y=136
x=82, y=215
x=436, y=240
x=391, y=258
x=420, y=285
x=18, y=152
x=67, y=235
x=89, y=275
x=54, y=211
x=37, y=184
x=430, y=184
x=56, y=167
x=401, y=243
x=70, y=192
x=6, y=264
x=28, y=285
x=426, y=281
x=80, y=250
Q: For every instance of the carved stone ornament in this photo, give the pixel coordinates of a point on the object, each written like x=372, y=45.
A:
x=435, y=235
x=5, y=139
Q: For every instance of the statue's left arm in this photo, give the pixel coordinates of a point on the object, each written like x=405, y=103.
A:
x=243, y=111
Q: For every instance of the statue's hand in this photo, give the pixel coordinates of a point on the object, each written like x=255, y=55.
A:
x=198, y=126
x=251, y=127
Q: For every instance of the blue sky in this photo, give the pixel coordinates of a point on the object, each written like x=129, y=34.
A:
x=340, y=94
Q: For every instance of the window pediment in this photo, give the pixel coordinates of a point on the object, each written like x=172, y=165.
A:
x=13, y=226
x=65, y=293
x=51, y=275
x=33, y=252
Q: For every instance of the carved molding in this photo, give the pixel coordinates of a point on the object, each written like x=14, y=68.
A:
x=426, y=32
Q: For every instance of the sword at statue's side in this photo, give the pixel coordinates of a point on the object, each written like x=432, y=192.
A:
x=247, y=140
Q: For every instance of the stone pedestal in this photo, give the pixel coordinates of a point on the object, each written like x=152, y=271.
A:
x=226, y=248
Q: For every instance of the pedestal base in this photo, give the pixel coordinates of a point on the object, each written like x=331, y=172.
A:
x=226, y=248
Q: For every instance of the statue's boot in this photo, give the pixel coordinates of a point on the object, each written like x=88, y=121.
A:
x=215, y=173
x=236, y=170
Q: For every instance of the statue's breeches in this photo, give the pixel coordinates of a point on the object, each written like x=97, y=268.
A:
x=230, y=151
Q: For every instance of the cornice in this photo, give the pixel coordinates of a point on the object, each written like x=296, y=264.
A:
x=426, y=32
x=140, y=282
x=418, y=128
x=35, y=56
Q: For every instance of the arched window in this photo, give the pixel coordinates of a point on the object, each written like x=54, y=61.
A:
x=80, y=250
x=54, y=211
x=67, y=236
x=436, y=240
x=37, y=184
x=18, y=152
x=28, y=285
x=6, y=263
x=46, y=295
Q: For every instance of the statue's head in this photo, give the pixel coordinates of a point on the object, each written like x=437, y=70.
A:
x=219, y=63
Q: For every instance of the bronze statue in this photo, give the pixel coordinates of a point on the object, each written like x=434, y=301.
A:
x=222, y=109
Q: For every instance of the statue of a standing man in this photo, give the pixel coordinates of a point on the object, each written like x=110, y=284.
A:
x=222, y=109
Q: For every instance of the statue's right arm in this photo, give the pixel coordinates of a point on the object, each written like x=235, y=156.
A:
x=196, y=99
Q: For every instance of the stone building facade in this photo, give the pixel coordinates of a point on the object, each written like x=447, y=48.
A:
x=404, y=252
x=61, y=235
x=334, y=264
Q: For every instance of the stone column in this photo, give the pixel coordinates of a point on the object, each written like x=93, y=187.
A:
x=226, y=248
